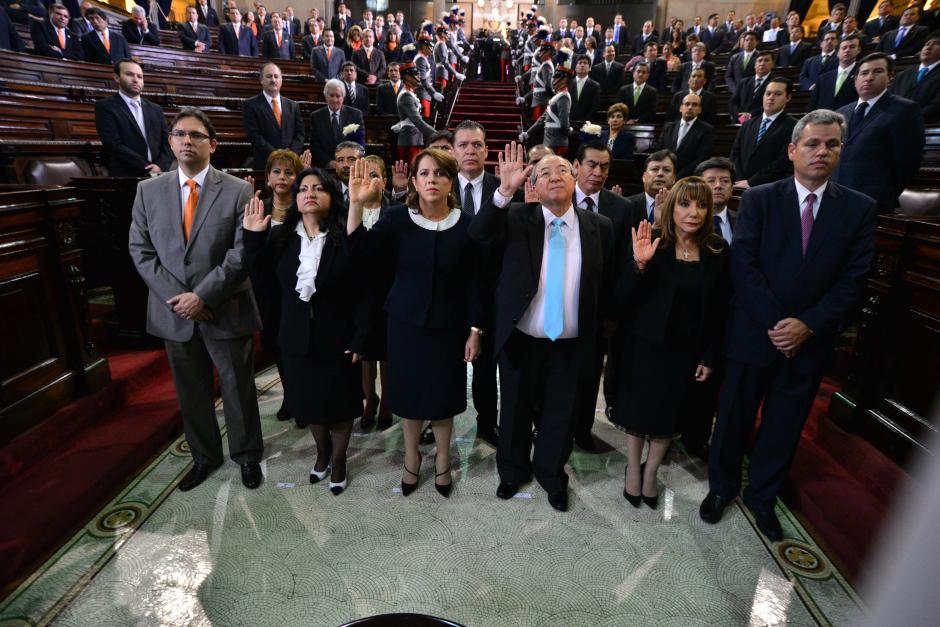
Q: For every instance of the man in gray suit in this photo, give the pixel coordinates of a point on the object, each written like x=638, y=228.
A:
x=186, y=242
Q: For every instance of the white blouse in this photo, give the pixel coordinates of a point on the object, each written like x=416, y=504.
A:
x=370, y=217
x=311, y=249
x=441, y=225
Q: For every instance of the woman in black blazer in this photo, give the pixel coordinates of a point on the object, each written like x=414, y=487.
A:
x=391, y=48
x=324, y=314
x=676, y=301
x=433, y=307
x=621, y=143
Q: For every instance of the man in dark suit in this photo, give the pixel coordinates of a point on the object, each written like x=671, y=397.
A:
x=689, y=137
x=640, y=97
x=52, y=37
x=759, y=152
x=794, y=53
x=696, y=85
x=922, y=83
x=186, y=243
x=837, y=88
x=802, y=248
x=712, y=35
x=271, y=120
x=748, y=98
x=193, y=35
x=133, y=131
x=356, y=93
x=291, y=22
x=546, y=329
x=884, y=140
x=101, y=45
x=741, y=65
x=834, y=23
x=585, y=91
x=327, y=60
x=137, y=29
x=609, y=72
x=657, y=68
x=562, y=31
x=236, y=38
x=698, y=62
x=206, y=14
x=80, y=24
x=341, y=12
x=592, y=165
x=907, y=39
x=327, y=123
x=9, y=38
x=826, y=61
x=276, y=43
x=387, y=93
x=659, y=172
x=885, y=22
x=369, y=60
x=645, y=37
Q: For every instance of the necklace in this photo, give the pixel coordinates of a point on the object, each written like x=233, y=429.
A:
x=685, y=254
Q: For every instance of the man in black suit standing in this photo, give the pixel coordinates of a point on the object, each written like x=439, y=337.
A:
x=689, y=138
x=922, y=83
x=609, y=72
x=696, y=85
x=907, y=39
x=356, y=93
x=657, y=67
x=640, y=97
x=697, y=62
x=802, y=248
x=369, y=60
x=80, y=24
x=326, y=61
x=101, y=45
x=387, y=93
x=52, y=37
x=796, y=51
x=825, y=61
x=546, y=325
x=834, y=23
x=837, y=88
x=236, y=38
x=137, y=29
x=759, y=152
x=328, y=123
x=645, y=37
x=884, y=141
x=592, y=165
x=194, y=35
x=712, y=35
x=271, y=120
x=885, y=22
x=741, y=65
x=206, y=14
x=747, y=101
x=132, y=130
x=291, y=22
x=276, y=43
x=585, y=91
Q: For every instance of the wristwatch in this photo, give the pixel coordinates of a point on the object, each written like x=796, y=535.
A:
x=477, y=330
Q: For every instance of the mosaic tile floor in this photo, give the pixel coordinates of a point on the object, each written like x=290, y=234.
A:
x=291, y=553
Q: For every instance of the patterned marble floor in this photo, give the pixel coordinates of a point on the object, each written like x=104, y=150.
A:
x=291, y=553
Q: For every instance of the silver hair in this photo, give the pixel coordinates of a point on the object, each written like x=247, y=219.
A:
x=534, y=176
x=350, y=146
x=334, y=84
x=819, y=116
x=137, y=9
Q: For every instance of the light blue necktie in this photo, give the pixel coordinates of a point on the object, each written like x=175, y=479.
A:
x=555, y=282
x=762, y=129
x=921, y=73
x=901, y=33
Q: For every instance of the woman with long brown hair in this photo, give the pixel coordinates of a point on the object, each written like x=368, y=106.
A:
x=675, y=299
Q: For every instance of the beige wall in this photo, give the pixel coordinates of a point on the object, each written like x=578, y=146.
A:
x=687, y=9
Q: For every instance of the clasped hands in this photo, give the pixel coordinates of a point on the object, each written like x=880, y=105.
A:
x=188, y=305
x=788, y=335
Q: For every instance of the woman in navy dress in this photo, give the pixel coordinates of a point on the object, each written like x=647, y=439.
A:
x=324, y=314
x=433, y=311
x=620, y=142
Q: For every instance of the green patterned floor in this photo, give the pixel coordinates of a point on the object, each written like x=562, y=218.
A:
x=293, y=554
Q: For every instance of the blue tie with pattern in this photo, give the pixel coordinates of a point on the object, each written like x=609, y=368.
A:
x=554, y=308
x=762, y=129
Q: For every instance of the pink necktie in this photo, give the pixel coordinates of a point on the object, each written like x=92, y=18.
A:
x=806, y=220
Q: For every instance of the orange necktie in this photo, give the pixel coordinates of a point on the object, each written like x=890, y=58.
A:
x=395, y=88
x=278, y=40
x=189, y=212
x=61, y=34
x=277, y=110
x=107, y=44
x=328, y=53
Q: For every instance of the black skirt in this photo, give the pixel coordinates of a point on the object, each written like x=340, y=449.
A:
x=427, y=376
x=324, y=390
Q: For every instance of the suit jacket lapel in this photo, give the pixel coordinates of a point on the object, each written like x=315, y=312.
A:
x=826, y=220
x=793, y=229
x=536, y=237
x=871, y=115
x=589, y=260
x=326, y=263
x=211, y=189
x=176, y=216
x=287, y=117
x=126, y=111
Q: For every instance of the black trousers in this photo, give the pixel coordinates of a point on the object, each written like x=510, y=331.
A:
x=586, y=402
x=484, y=385
x=536, y=372
x=787, y=395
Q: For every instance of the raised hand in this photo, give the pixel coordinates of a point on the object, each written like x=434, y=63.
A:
x=661, y=197
x=513, y=170
x=306, y=159
x=254, y=219
x=400, y=176
x=361, y=185
x=250, y=180
x=530, y=194
x=643, y=247
x=616, y=189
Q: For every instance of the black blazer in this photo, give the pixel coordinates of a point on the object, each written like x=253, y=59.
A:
x=639, y=44
x=767, y=161
x=878, y=27
x=46, y=42
x=211, y=18
x=270, y=48
x=246, y=45
x=825, y=96
x=387, y=99
x=624, y=145
x=122, y=141
x=308, y=43
x=189, y=37
x=609, y=81
x=911, y=44
x=774, y=280
x=645, y=109
x=681, y=81
x=79, y=25
x=517, y=235
x=365, y=66
x=881, y=155
x=623, y=216
x=323, y=142
x=133, y=35
x=747, y=99
x=709, y=106
x=785, y=58
x=9, y=38
x=737, y=72
x=926, y=93
x=658, y=71
x=814, y=68
x=584, y=107
x=362, y=97
x=94, y=50
x=696, y=146
x=646, y=299
x=264, y=133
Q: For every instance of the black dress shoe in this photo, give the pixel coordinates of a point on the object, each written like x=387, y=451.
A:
x=283, y=415
x=427, y=436
x=769, y=525
x=490, y=435
x=196, y=475
x=368, y=414
x=385, y=417
x=712, y=507
x=251, y=475
x=585, y=442
x=506, y=490
x=651, y=501
x=443, y=490
x=559, y=500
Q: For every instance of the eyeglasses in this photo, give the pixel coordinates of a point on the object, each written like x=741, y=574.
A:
x=195, y=136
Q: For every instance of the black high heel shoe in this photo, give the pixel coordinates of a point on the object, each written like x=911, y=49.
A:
x=651, y=501
x=408, y=488
x=443, y=490
x=632, y=499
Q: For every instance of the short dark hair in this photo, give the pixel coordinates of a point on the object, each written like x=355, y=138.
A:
x=470, y=125
x=662, y=155
x=649, y=44
x=751, y=33
x=439, y=135
x=581, y=57
x=591, y=145
x=782, y=79
x=346, y=65
x=117, y=66
x=874, y=56
x=852, y=37
x=199, y=114
x=764, y=53
x=715, y=163
x=90, y=11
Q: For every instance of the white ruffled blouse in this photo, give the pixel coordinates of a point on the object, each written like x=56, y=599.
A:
x=441, y=225
x=370, y=217
x=311, y=249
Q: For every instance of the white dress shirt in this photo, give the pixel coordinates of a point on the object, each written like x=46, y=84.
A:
x=311, y=250
x=726, y=232
x=802, y=193
x=477, y=187
x=650, y=203
x=580, y=196
x=200, y=178
x=137, y=110
x=270, y=100
x=871, y=102
x=370, y=217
